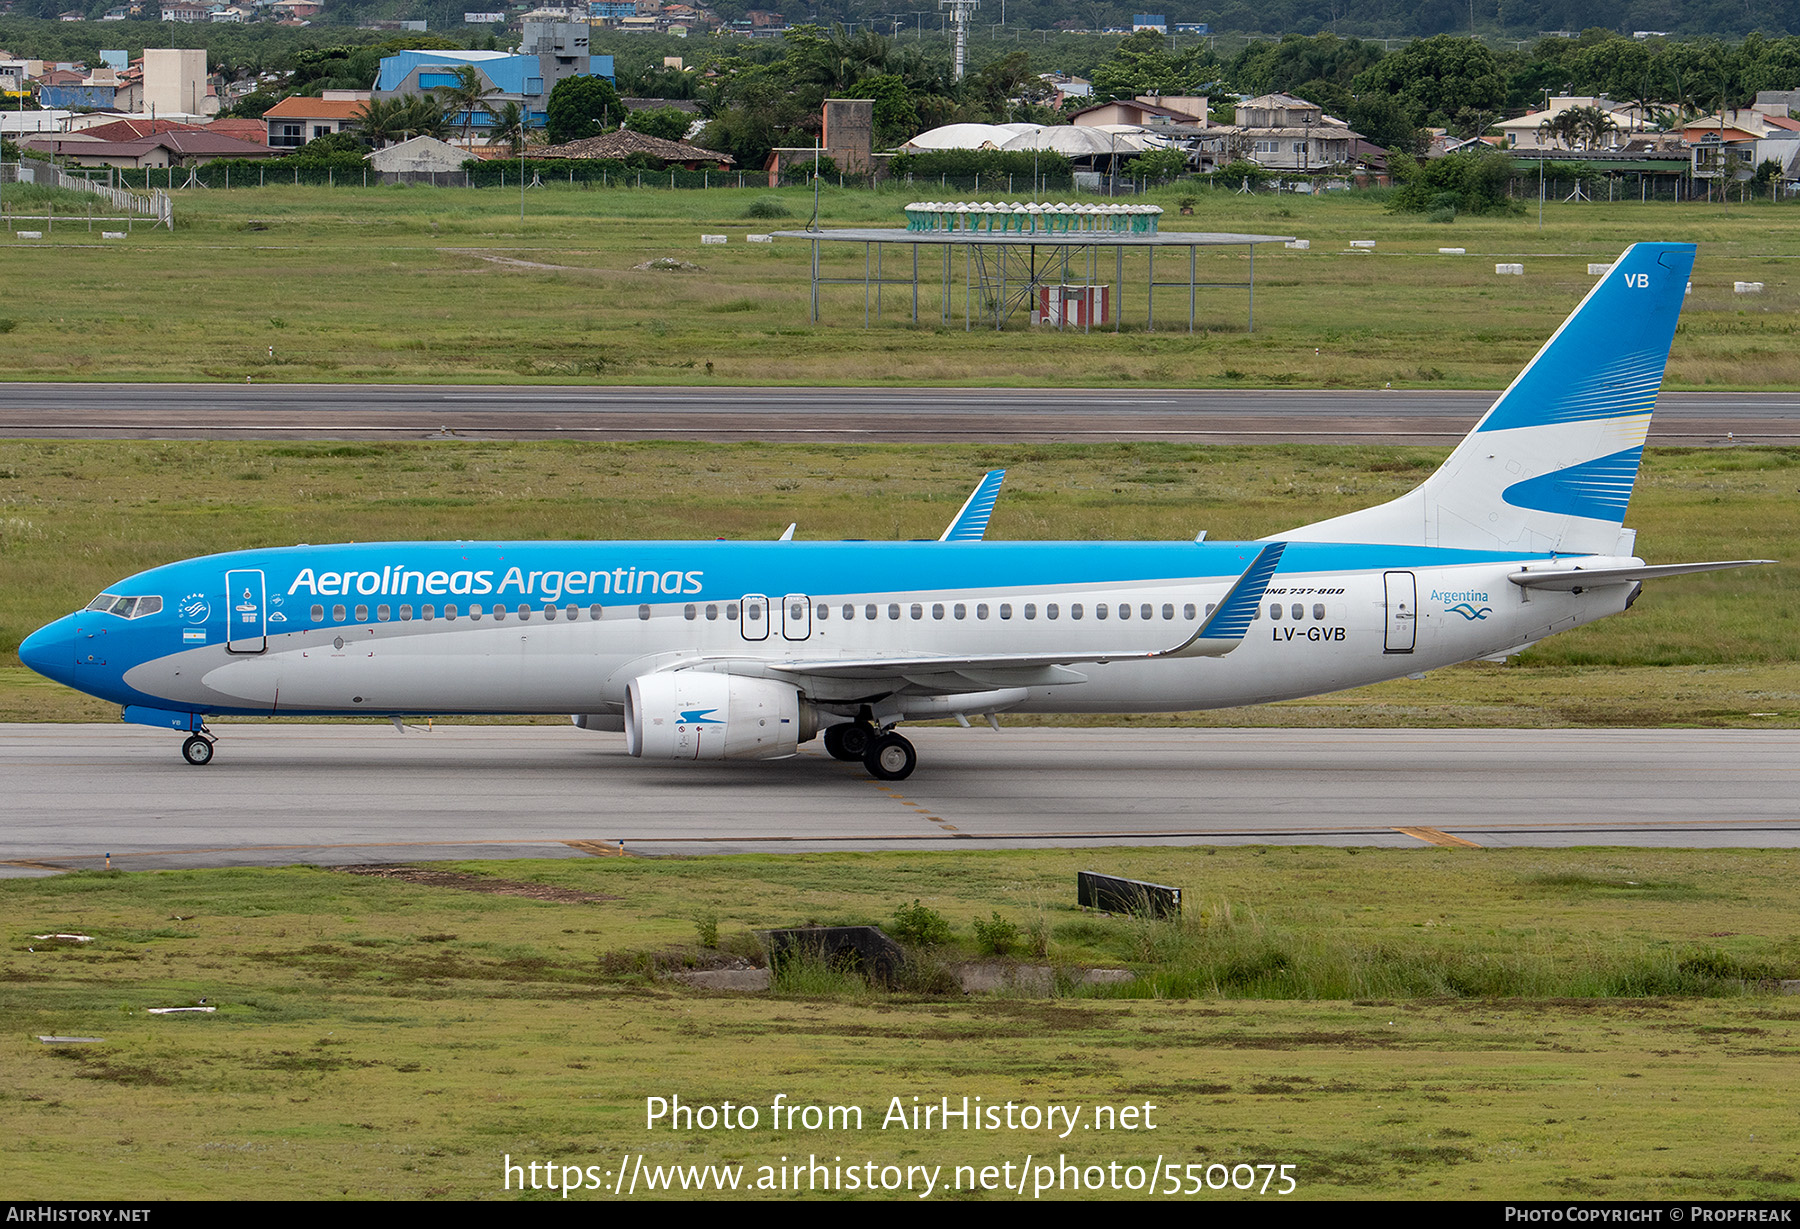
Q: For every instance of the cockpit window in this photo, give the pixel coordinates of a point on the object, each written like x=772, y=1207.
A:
x=126, y=607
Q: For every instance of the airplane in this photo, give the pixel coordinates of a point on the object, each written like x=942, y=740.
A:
x=712, y=650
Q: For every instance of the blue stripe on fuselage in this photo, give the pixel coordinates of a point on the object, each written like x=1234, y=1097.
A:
x=614, y=572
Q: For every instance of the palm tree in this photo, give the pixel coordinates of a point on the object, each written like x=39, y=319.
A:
x=424, y=116
x=510, y=125
x=380, y=120
x=466, y=97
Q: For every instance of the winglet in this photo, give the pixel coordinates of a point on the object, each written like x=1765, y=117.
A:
x=970, y=524
x=1224, y=629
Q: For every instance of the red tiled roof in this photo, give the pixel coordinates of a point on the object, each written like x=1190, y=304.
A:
x=316, y=108
x=135, y=129
x=252, y=130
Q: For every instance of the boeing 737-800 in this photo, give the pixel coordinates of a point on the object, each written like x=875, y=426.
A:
x=711, y=650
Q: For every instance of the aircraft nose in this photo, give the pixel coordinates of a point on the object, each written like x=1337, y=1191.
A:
x=49, y=650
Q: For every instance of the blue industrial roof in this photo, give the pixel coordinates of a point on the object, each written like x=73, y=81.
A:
x=507, y=72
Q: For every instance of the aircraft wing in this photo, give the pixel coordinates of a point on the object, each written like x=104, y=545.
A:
x=945, y=673
x=1569, y=579
x=970, y=524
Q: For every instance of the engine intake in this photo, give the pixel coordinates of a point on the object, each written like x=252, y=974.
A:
x=691, y=715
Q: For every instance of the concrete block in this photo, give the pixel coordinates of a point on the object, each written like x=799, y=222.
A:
x=744, y=981
x=112, y=234
x=1746, y=287
x=1106, y=977
x=759, y=238
x=1362, y=243
x=30, y=234
x=1453, y=251
x=1298, y=245
x=988, y=976
x=1597, y=270
x=1515, y=270
x=712, y=240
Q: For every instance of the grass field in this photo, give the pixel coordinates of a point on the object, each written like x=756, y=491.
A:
x=77, y=516
x=1390, y=1023
x=424, y=284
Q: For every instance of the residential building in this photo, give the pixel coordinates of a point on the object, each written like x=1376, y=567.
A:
x=1284, y=133
x=293, y=122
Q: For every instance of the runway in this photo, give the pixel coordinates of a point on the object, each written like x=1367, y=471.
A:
x=355, y=793
x=874, y=415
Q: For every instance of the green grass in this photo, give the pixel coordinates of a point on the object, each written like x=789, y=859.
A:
x=75, y=517
x=405, y=284
x=378, y=1039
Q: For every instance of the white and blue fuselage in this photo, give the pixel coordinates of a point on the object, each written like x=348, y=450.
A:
x=425, y=628
x=711, y=649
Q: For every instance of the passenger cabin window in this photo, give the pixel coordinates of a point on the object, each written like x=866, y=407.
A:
x=690, y=612
x=871, y=613
x=406, y=614
x=362, y=614
x=524, y=612
x=475, y=612
x=428, y=613
x=594, y=611
x=450, y=613
x=381, y=613
x=1319, y=611
x=644, y=612
x=1099, y=610
x=1075, y=610
x=1006, y=610
x=937, y=610
x=339, y=614
x=318, y=614
x=712, y=612
x=499, y=613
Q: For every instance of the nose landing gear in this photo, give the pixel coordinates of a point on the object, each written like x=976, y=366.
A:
x=198, y=749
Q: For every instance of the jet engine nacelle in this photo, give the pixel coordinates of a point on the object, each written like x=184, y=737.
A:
x=691, y=715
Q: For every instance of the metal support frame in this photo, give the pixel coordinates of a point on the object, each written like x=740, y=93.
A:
x=1002, y=275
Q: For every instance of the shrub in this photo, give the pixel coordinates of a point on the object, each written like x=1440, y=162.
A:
x=996, y=935
x=768, y=207
x=921, y=925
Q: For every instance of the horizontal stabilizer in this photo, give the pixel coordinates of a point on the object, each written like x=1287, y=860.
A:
x=1569, y=579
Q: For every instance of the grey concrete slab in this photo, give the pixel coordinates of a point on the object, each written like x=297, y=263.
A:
x=278, y=794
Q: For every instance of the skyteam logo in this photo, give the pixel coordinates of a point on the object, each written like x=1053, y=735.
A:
x=194, y=608
x=1469, y=612
x=698, y=716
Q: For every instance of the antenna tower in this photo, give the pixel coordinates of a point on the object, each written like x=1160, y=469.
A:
x=959, y=18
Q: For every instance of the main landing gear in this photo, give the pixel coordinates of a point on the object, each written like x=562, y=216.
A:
x=198, y=749
x=887, y=755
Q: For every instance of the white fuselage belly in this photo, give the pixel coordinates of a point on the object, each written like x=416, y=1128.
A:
x=1342, y=638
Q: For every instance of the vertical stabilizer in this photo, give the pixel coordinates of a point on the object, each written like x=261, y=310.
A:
x=1551, y=465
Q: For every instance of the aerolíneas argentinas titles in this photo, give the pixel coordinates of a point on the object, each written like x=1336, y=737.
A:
x=715, y=650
